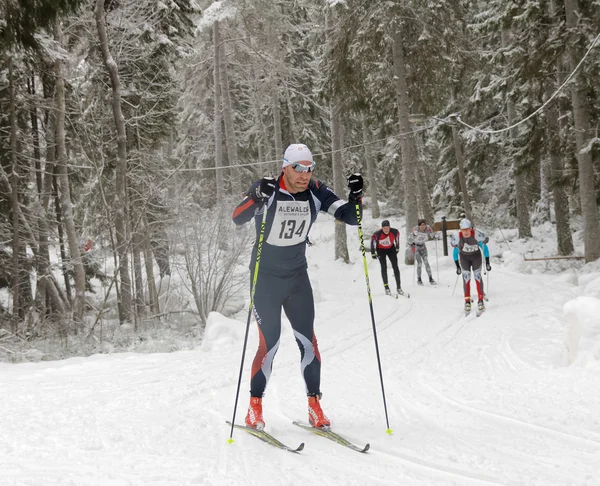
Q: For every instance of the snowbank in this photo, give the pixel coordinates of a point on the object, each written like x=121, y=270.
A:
x=221, y=332
x=582, y=334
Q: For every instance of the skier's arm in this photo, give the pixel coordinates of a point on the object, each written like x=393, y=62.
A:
x=245, y=210
x=374, y=243
x=396, y=239
x=484, y=247
x=332, y=204
x=259, y=193
x=456, y=262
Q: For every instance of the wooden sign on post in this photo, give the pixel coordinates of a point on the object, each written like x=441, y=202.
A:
x=444, y=226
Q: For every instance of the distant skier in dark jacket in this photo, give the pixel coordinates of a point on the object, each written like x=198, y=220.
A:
x=293, y=202
x=386, y=243
x=417, y=239
x=467, y=244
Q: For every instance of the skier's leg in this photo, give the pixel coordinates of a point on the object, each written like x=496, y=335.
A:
x=419, y=260
x=426, y=262
x=477, y=263
x=268, y=299
x=299, y=308
x=383, y=264
x=394, y=260
x=465, y=265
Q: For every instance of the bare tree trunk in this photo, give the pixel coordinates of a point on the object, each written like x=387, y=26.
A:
x=424, y=196
x=230, y=137
x=370, y=163
x=139, y=279
x=523, y=223
x=16, y=242
x=61, y=237
x=148, y=259
x=341, y=239
x=561, y=200
x=408, y=157
x=277, y=136
x=556, y=178
x=67, y=207
x=581, y=118
x=43, y=223
x=121, y=172
x=136, y=248
x=35, y=135
x=262, y=140
x=291, y=115
x=220, y=173
x=462, y=178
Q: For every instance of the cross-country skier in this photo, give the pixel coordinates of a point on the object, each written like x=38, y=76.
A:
x=385, y=243
x=417, y=239
x=292, y=201
x=467, y=246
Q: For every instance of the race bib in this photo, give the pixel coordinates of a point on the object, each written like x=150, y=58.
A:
x=290, y=224
x=470, y=248
x=420, y=238
x=385, y=243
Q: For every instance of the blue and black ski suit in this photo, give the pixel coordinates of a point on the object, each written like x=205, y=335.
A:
x=283, y=277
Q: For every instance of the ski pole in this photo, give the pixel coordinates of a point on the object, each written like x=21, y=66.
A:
x=437, y=263
x=362, y=249
x=254, y=279
x=455, y=282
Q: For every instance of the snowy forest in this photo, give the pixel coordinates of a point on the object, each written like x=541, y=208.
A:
x=130, y=129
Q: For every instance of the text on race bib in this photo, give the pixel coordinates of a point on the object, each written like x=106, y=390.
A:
x=290, y=224
x=470, y=248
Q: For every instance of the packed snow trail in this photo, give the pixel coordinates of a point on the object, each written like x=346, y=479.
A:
x=478, y=401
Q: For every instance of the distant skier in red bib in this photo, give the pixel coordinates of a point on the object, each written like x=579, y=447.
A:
x=385, y=243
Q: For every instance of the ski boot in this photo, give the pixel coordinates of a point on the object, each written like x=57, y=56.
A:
x=254, y=418
x=316, y=417
x=480, y=307
x=387, y=290
x=399, y=291
x=467, y=307
x=431, y=281
x=419, y=281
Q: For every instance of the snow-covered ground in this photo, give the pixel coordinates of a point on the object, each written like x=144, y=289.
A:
x=488, y=400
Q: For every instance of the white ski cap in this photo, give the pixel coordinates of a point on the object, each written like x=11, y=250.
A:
x=297, y=152
x=465, y=223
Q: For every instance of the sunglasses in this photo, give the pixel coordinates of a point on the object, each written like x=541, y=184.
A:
x=303, y=168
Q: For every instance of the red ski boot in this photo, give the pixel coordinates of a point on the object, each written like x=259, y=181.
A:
x=316, y=417
x=254, y=418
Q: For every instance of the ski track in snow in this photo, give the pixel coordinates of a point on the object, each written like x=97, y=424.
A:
x=471, y=400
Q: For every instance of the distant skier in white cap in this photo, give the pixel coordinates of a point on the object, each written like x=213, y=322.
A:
x=467, y=244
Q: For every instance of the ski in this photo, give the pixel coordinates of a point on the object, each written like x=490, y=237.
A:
x=331, y=435
x=405, y=294
x=479, y=312
x=268, y=438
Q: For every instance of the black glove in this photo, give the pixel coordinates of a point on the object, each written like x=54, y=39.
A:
x=458, y=269
x=488, y=267
x=355, y=184
x=374, y=255
x=264, y=190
